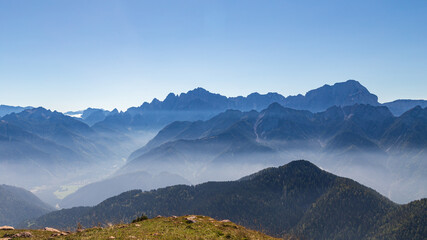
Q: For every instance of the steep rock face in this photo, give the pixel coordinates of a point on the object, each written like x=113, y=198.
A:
x=339, y=94
x=18, y=204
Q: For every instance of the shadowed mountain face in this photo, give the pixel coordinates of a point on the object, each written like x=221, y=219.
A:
x=351, y=140
x=199, y=104
x=296, y=198
x=18, y=204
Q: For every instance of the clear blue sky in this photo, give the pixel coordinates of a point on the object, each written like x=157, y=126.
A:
x=69, y=55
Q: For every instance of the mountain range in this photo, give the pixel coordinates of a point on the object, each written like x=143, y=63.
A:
x=88, y=146
x=346, y=138
x=200, y=104
x=5, y=109
x=297, y=198
x=49, y=147
x=200, y=137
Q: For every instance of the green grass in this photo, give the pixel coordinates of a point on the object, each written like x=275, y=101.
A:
x=159, y=228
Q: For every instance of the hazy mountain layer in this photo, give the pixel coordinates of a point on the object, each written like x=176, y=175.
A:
x=352, y=140
x=296, y=198
x=402, y=105
x=17, y=205
x=5, y=109
x=51, y=149
x=94, y=193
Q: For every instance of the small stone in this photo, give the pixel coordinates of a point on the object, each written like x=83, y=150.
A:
x=49, y=229
x=137, y=225
x=159, y=216
x=225, y=221
x=191, y=219
x=22, y=235
x=112, y=237
x=7, y=228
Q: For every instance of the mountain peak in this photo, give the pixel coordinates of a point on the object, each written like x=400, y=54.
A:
x=339, y=94
x=198, y=91
x=275, y=107
x=352, y=81
x=301, y=163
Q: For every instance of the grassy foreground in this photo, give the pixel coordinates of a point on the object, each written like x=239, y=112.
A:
x=186, y=227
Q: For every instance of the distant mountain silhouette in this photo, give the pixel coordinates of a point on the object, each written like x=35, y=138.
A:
x=296, y=198
x=402, y=105
x=200, y=104
x=18, y=204
x=339, y=94
x=4, y=109
x=90, y=116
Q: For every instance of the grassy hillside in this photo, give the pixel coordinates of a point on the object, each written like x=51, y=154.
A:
x=186, y=227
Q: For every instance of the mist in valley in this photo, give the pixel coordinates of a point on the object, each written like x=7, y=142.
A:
x=192, y=138
x=389, y=175
x=53, y=180
x=227, y=147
